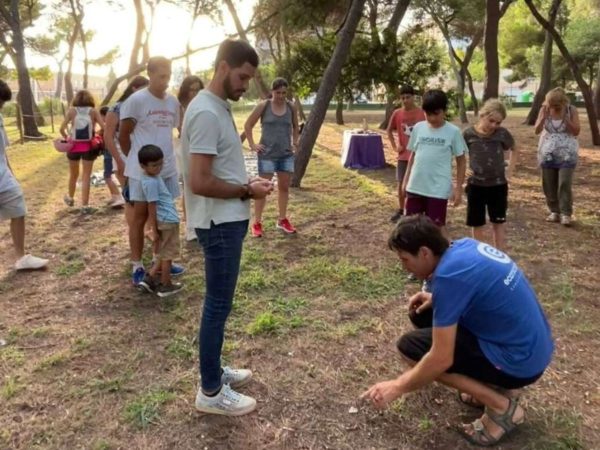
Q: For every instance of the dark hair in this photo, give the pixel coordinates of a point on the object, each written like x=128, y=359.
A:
x=413, y=232
x=235, y=53
x=83, y=98
x=157, y=61
x=149, y=153
x=279, y=83
x=184, y=89
x=434, y=101
x=137, y=82
x=5, y=92
x=407, y=90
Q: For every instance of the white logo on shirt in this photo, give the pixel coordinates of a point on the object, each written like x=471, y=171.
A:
x=493, y=253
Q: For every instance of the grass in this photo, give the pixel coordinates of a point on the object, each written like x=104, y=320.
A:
x=145, y=409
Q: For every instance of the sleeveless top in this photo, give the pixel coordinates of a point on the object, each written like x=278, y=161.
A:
x=276, y=133
x=557, y=148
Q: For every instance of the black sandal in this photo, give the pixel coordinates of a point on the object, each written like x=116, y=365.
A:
x=482, y=436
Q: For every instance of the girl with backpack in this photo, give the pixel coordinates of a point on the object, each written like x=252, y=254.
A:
x=78, y=126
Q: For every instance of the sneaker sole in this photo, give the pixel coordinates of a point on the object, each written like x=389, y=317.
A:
x=144, y=287
x=284, y=230
x=168, y=294
x=221, y=412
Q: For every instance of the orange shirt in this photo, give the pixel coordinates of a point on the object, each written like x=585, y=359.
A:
x=403, y=122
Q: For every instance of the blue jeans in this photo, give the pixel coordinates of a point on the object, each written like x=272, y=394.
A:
x=222, y=245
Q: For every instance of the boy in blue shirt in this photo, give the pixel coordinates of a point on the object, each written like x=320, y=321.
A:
x=163, y=220
x=481, y=330
x=433, y=143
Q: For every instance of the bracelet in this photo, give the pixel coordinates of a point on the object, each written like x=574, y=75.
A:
x=248, y=194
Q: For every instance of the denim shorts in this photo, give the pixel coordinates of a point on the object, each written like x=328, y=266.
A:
x=12, y=204
x=285, y=164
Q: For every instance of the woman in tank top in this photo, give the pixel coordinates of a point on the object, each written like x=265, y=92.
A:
x=558, y=123
x=275, y=150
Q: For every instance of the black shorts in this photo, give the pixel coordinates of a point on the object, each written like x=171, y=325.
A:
x=469, y=359
x=494, y=198
x=86, y=156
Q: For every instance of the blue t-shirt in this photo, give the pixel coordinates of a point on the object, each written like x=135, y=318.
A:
x=483, y=290
x=155, y=190
x=434, y=149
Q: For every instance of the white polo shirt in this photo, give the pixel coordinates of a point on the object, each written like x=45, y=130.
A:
x=209, y=129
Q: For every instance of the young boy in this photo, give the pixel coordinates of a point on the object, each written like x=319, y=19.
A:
x=12, y=201
x=428, y=179
x=487, y=187
x=163, y=220
x=403, y=120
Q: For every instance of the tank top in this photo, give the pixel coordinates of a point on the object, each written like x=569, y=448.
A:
x=276, y=133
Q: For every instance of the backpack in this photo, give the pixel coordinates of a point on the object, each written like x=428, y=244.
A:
x=82, y=129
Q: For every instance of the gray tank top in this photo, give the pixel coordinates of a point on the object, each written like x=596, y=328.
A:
x=276, y=133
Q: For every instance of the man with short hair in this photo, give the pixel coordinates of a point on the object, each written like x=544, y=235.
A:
x=12, y=201
x=148, y=117
x=481, y=330
x=217, y=201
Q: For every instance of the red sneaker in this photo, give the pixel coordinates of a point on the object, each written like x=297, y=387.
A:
x=257, y=229
x=286, y=226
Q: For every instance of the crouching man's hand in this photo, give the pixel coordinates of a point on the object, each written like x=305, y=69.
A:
x=381, y=394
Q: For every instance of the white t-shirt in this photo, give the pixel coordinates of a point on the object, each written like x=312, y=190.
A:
x=208, y=128
x=7, y=179
x=155, y=119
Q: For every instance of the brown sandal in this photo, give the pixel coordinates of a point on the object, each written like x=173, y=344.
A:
x=482, y=436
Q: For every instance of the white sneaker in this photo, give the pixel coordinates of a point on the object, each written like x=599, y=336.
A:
x=117, y=201
x=227, y=402
x=236, y=378
x=553, y=217
x=565, y=220
x=30, y=262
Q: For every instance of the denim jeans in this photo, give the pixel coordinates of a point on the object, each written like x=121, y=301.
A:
x=222, y=245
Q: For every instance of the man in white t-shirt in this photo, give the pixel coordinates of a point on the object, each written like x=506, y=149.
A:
x=12, y=201
x=148, y=117
x=218, y=193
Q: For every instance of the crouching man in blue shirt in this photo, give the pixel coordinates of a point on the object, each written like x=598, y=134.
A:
x=481, y=330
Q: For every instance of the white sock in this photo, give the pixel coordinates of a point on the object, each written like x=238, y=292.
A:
x=136, y=265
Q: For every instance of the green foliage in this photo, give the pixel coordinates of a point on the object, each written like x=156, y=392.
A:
x=145, y=410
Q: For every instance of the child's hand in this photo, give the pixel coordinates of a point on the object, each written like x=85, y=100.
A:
x=154, y=235
x=457, y=196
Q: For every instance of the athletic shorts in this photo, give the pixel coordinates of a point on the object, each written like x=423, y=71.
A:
x=401, y=170
x=136, y=193
x=434, y=208
x=469, y=359
x=494, y=199
x=90, y=155
x=12, y=204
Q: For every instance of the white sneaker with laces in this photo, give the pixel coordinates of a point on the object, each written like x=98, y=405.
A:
x=236, y=378
x=30, y=262
x=227, y=402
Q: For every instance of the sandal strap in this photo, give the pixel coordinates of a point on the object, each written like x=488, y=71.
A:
x=481, y=430
x=504, y=420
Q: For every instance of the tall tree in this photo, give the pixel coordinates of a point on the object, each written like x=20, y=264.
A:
x=583, y=86
x=14, y=17
x=326, y=90
x=493, y=14
x=546, y=74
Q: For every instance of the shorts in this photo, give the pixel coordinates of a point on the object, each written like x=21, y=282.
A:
x=12, y=204
x=469, y=359
x=434, y=208
x=401, y=171
x=492, y=198
x=90, y=155
x=285, y=164
x=168, y=241
x=108, y=164
x=136, y=193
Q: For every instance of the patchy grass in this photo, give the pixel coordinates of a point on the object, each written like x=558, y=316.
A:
x=322, y=308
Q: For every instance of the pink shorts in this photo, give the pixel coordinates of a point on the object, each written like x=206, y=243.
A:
x=81, y=146
x=434, y=208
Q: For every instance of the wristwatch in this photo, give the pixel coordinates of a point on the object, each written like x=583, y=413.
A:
x=248, y=194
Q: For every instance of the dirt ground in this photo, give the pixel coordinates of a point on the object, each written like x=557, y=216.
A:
x=91, y=363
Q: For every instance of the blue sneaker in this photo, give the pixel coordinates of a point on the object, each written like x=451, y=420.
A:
x=176, y=270
x=138, y=276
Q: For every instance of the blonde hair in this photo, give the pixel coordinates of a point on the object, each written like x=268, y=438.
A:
x=557, y=98
x=493, y=105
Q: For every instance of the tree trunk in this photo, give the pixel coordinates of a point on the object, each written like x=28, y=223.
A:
x=30, y=129
x=59, y=81
x=140, y=27
x=546, y=74
x=115, y=84
x=490, y=46
x=472, y=93
x=339, y=112
x=326, y=90
x=597, y=92
x=299, y=108
x=391, y=95
x=258, y=79
x=583, y=86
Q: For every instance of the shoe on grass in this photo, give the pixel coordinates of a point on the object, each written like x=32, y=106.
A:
x=137, y=276
x=236, y=378
x=257, y=230
x=30, y=262
x=397, y=216
x=285, y=225
x=227, y=402
x=148, y=284
x=166, y=290
x=553, y=217
x=566, y=220
x=69, y=201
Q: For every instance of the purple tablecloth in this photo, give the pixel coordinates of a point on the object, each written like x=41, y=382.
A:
x=365, y=151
